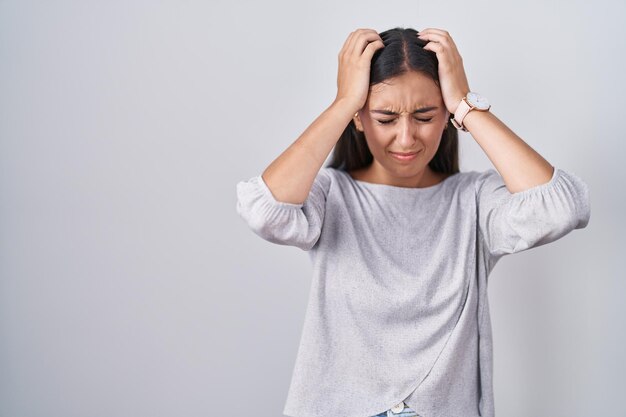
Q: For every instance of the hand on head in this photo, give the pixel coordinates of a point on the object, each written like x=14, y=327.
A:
x=452, y=78
x=355, y=58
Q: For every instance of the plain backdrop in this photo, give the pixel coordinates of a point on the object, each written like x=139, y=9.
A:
x=129, y=286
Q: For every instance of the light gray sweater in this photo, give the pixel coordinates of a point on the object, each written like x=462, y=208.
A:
x=398, y=306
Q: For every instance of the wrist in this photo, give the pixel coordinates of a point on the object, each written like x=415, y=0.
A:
x=457, y=101
x=469, y=104
x=345, y=105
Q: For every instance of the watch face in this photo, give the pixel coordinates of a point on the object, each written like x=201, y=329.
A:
x=478, y=101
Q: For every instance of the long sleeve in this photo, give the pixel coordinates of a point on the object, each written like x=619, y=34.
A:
x=280, y=222
x=513, y=222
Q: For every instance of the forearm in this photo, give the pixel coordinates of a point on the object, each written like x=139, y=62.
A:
x=520, y=166
x=290, y=176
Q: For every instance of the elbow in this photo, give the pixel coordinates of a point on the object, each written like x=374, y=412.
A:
x=584, y=214
x=289, y=232
x=304, y=241
x=583, y=207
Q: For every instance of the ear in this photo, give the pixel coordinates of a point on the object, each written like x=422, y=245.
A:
x=357, y=122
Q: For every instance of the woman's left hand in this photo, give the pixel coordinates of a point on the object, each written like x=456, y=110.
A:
x=452, y=78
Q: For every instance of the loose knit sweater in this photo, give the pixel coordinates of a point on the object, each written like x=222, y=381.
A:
x=398, y=308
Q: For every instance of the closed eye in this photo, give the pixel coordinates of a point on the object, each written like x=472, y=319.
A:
x=384, y=122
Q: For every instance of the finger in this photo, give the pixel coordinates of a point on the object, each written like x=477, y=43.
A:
x=348, y=44
x=371, y=48
x=375, y=39
x=436, y=47
x=436, y=35
x=442, y=49
x=437, y=31
x=362, y=39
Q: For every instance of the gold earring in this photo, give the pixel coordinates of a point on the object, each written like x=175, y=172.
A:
x=356, y=116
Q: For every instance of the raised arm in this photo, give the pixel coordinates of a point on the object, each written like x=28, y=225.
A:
x=290, y=176
x=527, y=202
x=520, y=166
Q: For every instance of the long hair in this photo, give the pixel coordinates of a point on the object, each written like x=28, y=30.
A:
x=403, y=52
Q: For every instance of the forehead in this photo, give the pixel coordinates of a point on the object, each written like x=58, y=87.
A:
x=405, y=91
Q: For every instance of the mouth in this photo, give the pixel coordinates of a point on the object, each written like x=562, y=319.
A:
x=404, y=156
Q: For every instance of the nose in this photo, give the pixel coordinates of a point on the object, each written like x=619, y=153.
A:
x=405, y=135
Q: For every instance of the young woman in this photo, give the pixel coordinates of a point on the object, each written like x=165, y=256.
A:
x=402, y=242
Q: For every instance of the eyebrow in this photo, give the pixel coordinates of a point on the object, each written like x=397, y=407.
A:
x=392, y=113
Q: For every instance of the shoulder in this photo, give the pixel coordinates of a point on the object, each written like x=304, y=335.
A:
x=330, y=174
x=472, y=178
x=325, y=178
x=474, y=183
x=480, y=178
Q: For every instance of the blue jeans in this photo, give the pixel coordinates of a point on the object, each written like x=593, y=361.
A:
x=407, y=412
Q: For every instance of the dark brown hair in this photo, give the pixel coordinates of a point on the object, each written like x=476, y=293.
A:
x=403, y=52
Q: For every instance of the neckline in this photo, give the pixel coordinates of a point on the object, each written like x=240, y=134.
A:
x=396, y=187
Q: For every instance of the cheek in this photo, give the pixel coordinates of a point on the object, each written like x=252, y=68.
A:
x=435, y=131
x=375, y=143
x=429, y=134
x=376, y=135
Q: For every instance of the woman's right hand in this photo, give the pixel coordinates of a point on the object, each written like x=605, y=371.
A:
x=290, y=177
x=355, y=58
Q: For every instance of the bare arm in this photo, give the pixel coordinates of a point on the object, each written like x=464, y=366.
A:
x=520, y=166
x=290, y=176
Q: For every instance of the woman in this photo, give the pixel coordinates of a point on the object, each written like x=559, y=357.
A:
x=402, y=242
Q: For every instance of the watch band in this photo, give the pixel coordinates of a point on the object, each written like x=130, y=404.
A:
x=460, y=113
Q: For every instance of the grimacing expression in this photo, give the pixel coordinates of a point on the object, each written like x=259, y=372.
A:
x=403, y=114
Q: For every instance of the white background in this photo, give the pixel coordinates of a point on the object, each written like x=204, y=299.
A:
x=130, y=287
